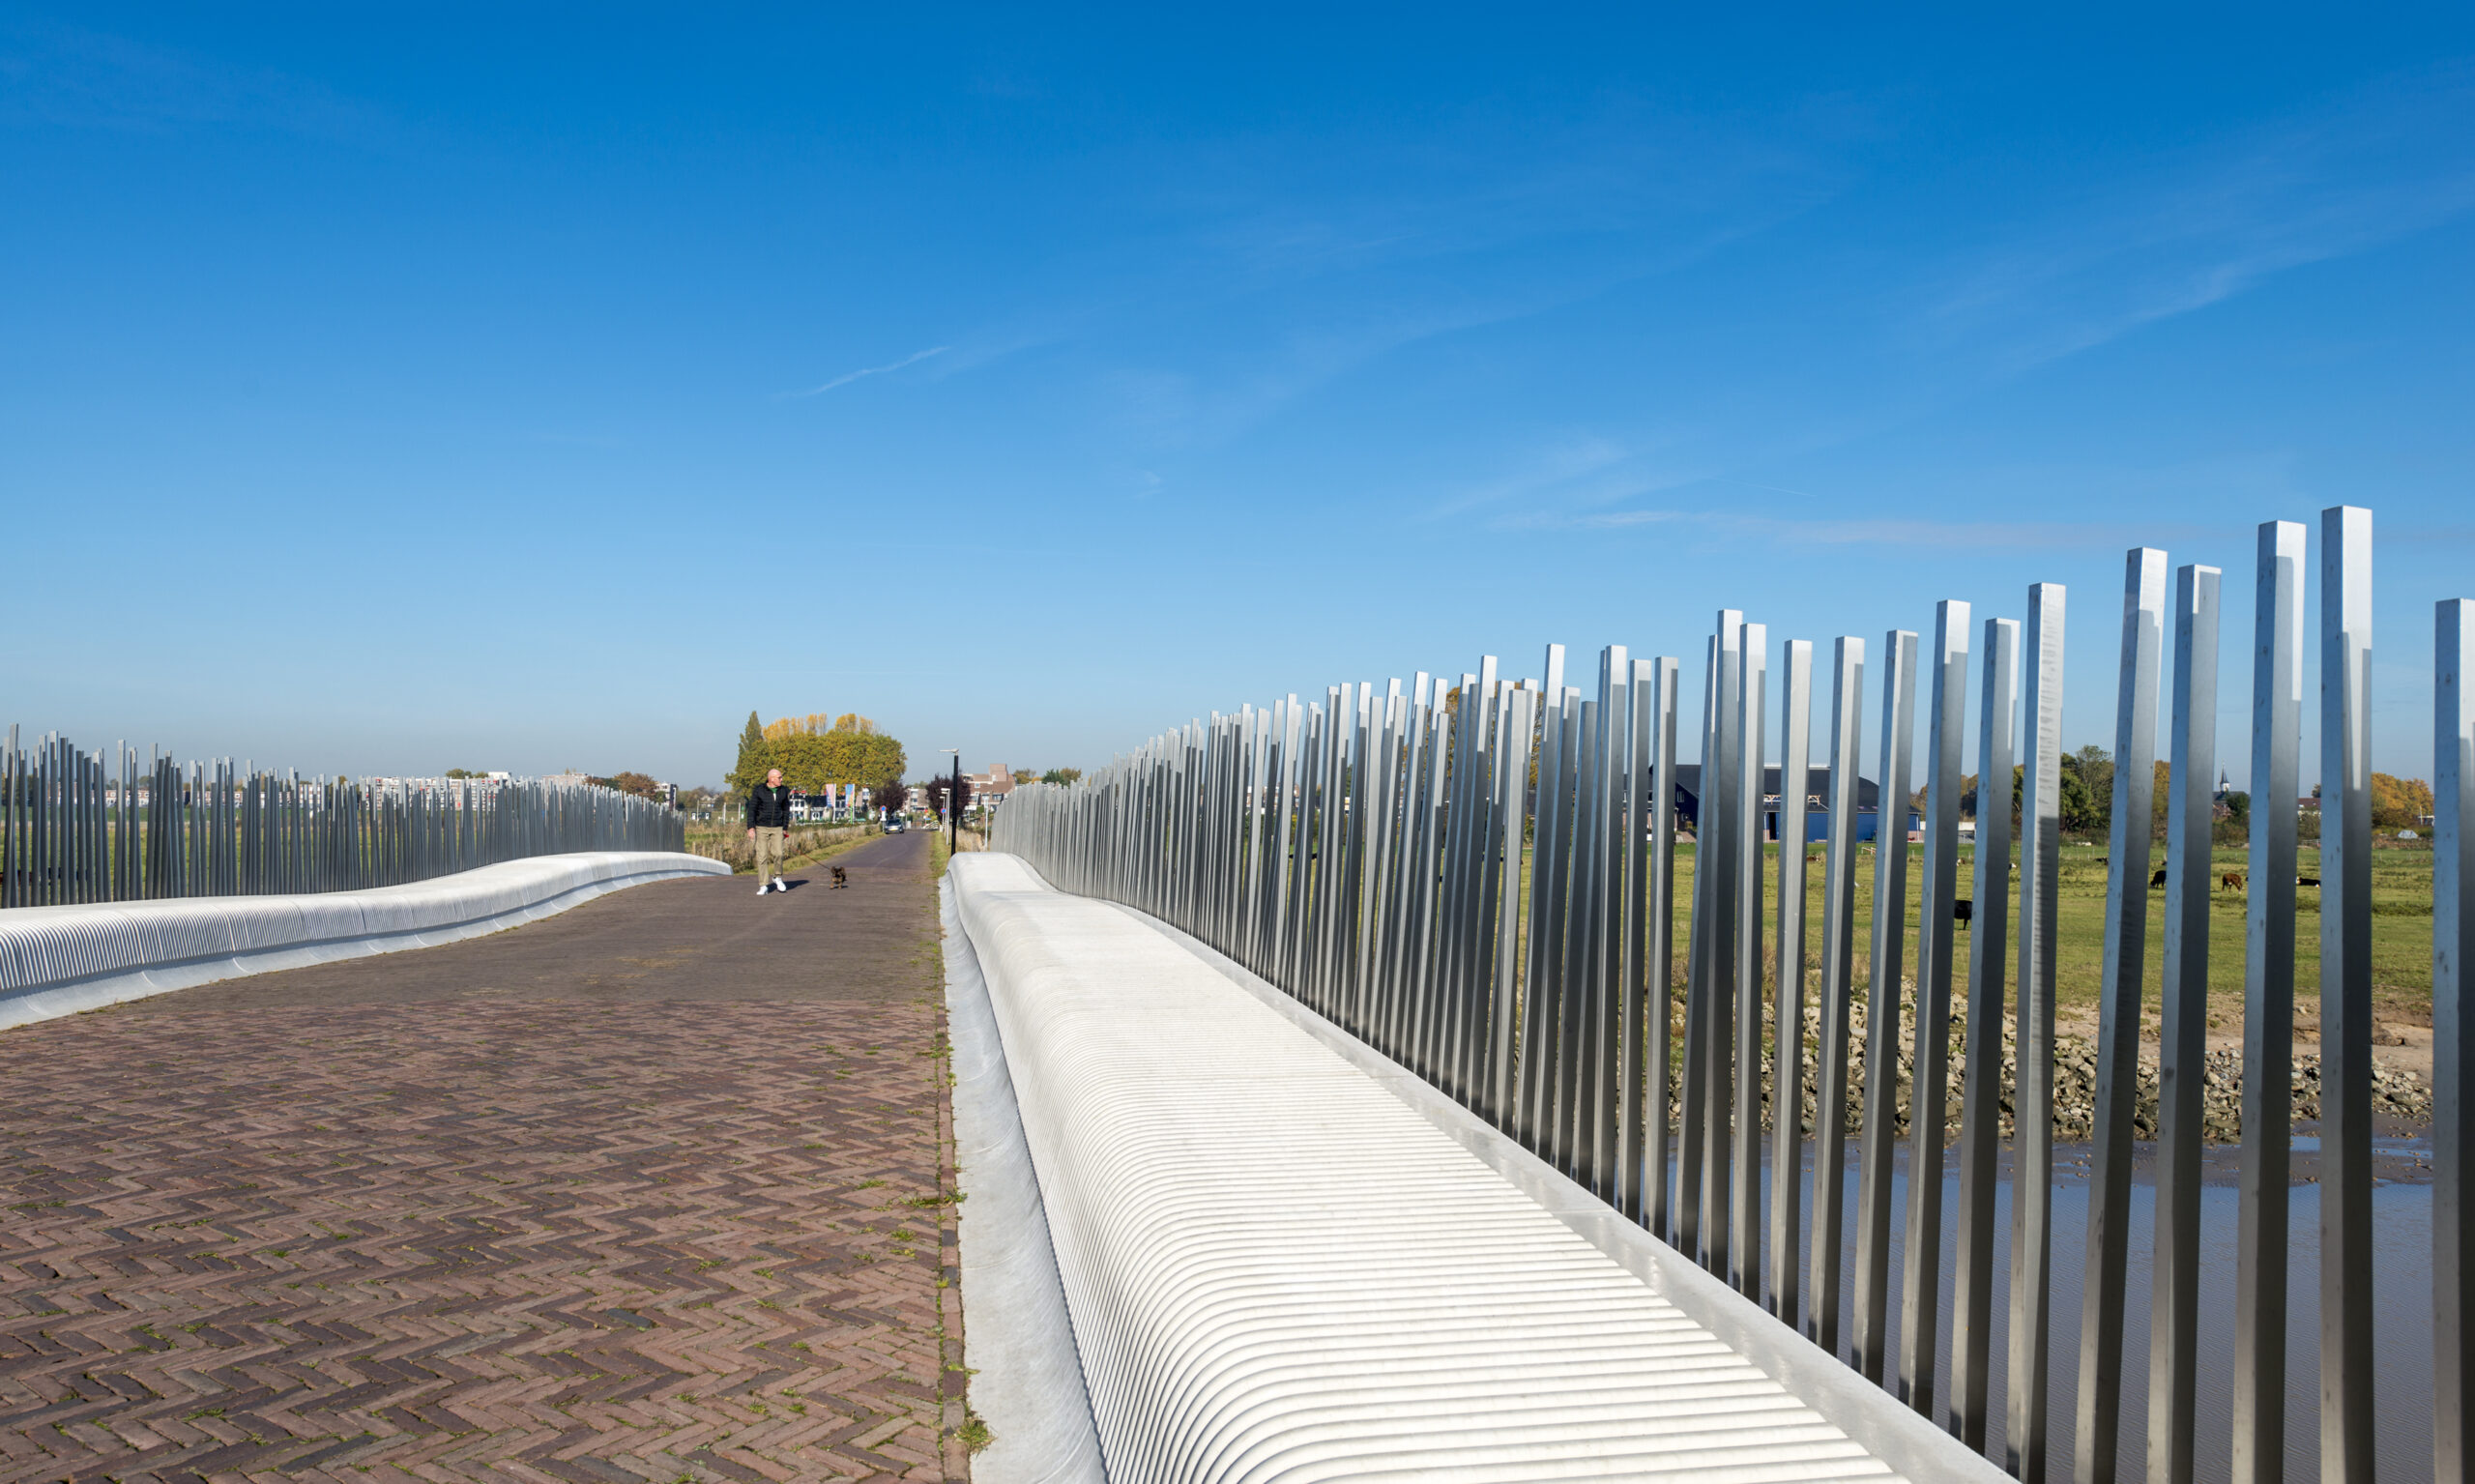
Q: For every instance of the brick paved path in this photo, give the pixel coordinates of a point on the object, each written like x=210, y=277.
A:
x=651, y=1190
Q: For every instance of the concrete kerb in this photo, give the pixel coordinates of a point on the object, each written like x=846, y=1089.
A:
x=1017, y=1336
x=63, y=960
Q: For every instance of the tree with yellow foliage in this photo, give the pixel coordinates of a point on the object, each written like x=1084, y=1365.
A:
x=816, y=750
x=2399, y=803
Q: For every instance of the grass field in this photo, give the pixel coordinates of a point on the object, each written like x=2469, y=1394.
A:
x=2401, y=961
x=810, y=844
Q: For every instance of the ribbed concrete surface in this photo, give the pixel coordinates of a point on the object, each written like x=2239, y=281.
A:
x=1277, y=1270
x=61, y=960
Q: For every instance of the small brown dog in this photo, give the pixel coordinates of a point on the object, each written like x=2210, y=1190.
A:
x=840, y=879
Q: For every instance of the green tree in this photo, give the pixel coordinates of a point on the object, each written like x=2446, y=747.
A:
x=755, y=757
x=2080, y=811
x=2093, y=767
x=1062, y=776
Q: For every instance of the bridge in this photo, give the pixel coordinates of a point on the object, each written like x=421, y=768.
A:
x=1367, y=1088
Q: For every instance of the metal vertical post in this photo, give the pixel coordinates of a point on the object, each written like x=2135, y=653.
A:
x=1512, y=801
x=1981, y=1087
x=1744, y=1149
x=2183, y=1027
x=1929, y=1095
x=1631, y=1070
x=2032, y=1096
x=1536, y=989
x=1836, y=988
x=1882, y=1003
x=1610, y=934
x=1658, y=953
x=2453, y=1034
x=1576, y=985
x=1693, y=1076
x=2346, y=996
x=2101, y=1321
x=1788, y=1018
x=1711, y=975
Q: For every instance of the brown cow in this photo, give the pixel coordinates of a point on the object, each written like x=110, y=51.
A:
x=2231, y=881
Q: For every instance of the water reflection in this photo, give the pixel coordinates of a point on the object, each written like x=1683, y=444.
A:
x=2400, y=1283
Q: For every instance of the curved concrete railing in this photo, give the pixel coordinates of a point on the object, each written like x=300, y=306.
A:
x=1017, y=1336
x=1284, y=1260
x=61, y=960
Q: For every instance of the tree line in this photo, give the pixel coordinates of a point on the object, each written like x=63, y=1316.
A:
x=815, y=751
x=2088, y=790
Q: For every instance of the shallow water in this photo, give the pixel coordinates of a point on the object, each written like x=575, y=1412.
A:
x=2403, y=1318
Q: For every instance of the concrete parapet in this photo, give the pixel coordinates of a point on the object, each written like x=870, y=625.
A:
x=61, y=960
x=1283, y=1257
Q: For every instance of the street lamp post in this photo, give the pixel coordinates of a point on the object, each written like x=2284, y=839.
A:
x=953, y=802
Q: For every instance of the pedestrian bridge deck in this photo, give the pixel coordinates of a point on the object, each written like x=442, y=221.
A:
x=647, y=1190
x=1285, y=1258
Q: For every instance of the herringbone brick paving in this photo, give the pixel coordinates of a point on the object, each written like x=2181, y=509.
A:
x=516, y=1229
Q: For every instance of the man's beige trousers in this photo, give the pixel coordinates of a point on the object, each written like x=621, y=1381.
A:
x=768, y=854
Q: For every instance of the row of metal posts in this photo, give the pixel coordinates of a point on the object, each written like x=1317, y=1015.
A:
x=1367, y=855
x=73, y=829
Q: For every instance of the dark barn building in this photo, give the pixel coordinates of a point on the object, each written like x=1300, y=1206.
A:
x=1688, y=802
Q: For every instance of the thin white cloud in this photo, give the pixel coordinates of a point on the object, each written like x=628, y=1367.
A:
x=1907, y=535
x=2384, y=164
x=847, y=377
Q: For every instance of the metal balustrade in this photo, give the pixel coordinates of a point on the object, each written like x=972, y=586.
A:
x=78, y=826
x=1387, y=858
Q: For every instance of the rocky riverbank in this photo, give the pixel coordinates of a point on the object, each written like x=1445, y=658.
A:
x=2396, y=1095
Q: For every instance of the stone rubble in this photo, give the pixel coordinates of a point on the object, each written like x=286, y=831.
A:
x=2396, y=1094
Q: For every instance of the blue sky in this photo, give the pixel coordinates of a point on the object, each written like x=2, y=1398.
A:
x=530, y=388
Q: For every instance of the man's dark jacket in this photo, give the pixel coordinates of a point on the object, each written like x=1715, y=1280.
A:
x=768, y=808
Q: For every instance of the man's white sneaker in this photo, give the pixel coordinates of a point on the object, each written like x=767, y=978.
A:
x=779, y=885
x=761, y=891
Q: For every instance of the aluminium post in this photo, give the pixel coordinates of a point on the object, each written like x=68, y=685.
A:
x=1443, y=994
x=1610, y=963
x=2183, y=1028
x=1883, y=1002
x=1929, y=1095
x=1744, y=1149
x=1722, y=792
x=2101, y=1322
x=1559, y=905
x=1536, y=1021
x=1702, y=950
x=1513, y=791
x=1788, y=1017
x=1836, y=991
x=2452, y=935
x=1417, y=868
x=2346, y=1259
x=1981, y=1088
x=1491, y=927
x=1658, y=953
x=1578, y=983
x=1630, y=1069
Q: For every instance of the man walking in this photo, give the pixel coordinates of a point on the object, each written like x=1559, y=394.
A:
x=769, y=830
